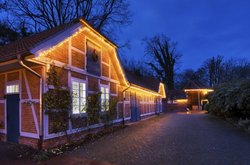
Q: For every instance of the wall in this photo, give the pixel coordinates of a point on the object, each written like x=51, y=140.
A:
x=70, y=60
x=29, y=101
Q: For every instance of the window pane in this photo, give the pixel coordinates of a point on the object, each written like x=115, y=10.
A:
x=102, y=89
x=103, y=97
x=75, y=93
x=83, y=102
x=83, y=93
x=82, y=86
x=83, y=105
x=79, y=97
x=107, y=96
x=75, y=109
x=75, y=85
x=76, y=101
x=12, y=89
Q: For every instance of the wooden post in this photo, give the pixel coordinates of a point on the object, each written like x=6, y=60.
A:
x=198, y=100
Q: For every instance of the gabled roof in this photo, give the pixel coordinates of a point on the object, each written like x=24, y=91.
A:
x=40, y=42
x=24, y=46
x=143, y=81
x=194, y=85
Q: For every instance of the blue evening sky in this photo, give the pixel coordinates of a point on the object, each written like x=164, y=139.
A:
x=202, y=28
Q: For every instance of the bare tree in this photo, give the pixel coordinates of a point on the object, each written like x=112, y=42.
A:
x=214, y=67
x=236, y=69
x=187, y=75
x=137, y=67
x=10, y=32
x=104, y=15
x=2, y=5
x=220, y=71
x=163, y=58
x=7, y=34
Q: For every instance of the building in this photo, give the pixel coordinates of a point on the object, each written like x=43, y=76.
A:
x=88, y=62
x=196, y=95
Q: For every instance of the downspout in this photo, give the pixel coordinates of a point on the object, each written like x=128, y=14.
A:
x=40, y=105
x=123, y=99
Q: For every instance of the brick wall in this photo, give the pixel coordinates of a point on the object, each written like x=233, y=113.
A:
x=92, y=83
x=78, y=59
x=2, y=115
x=79, y=41
x=2, y=86
x=29, y=141
x=60, y=53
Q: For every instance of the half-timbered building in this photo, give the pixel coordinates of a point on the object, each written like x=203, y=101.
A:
x=89, y=63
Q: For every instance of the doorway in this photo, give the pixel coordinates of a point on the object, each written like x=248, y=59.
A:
x=12, y=103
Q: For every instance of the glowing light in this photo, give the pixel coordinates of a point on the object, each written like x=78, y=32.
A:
x=88, y=28
x=162, y=87
x=46, y=52
x=181, y=101
x=199, y=90
x=205, y=92
x=143, y=91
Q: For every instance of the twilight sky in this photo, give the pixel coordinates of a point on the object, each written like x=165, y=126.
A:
x=202, y=28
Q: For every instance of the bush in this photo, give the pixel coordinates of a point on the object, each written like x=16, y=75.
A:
x=57, y=102
x=231, y=99
x=93, y=108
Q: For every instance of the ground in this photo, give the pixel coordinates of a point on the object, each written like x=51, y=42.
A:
x=14, y=154
x=171, y=138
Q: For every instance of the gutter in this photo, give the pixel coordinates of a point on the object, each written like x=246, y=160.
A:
x=123, y=116
x=40, y=105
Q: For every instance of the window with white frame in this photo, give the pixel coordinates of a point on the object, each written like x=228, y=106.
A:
x=104, y=98
x=79, y=97
x=12, y=89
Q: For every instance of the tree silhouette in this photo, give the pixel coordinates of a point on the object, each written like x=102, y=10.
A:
x=163, y=58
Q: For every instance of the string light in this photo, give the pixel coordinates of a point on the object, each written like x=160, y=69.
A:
x=111, y=45
x=46, y=52
x=199, y=90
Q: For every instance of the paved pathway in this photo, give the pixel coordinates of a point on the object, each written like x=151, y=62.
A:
x=176, y=138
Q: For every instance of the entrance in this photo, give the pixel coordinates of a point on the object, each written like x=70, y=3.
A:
x=134, y=107
x=12, y=100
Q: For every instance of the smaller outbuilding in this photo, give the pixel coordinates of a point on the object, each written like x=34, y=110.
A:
x=196, y=95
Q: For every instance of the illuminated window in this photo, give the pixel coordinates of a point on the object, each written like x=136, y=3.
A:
x=79, y=97
x=104, y=98
x=11, y=89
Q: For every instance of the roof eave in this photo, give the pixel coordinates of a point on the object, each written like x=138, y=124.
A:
x=98, y=33
x=54, y=39
x=144, y=89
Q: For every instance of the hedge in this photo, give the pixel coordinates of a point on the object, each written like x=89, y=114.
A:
x=231, y=99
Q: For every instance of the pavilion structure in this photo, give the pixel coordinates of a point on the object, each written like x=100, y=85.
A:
x=196, y=95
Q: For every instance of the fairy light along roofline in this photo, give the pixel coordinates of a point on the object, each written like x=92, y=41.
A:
x=163, y=88
x=198, y=90
x=88, y=28
x=98, y=33
x=41, y=54
x=136, y=87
